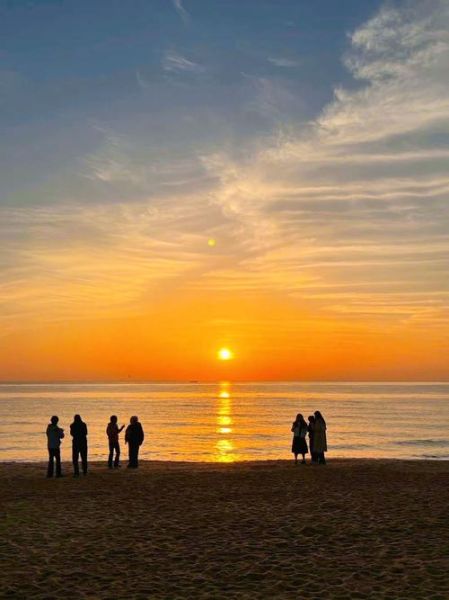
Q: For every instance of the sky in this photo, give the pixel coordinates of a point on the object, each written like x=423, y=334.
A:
x=179, y=176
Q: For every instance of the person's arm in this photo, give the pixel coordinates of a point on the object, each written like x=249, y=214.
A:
x=121, y=429
x=126, y=435
x=85, y=429
x=61, y=433
x=142, y=436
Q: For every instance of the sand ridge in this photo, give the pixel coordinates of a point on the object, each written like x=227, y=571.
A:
x=352, y=529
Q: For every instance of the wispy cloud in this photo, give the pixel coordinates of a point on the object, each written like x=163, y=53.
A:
x=142, y=81
x=283, y=62
x=181, y=10
x=360, y=194
x=176, y=63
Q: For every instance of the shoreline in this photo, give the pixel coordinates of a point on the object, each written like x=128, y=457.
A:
x=333, y=460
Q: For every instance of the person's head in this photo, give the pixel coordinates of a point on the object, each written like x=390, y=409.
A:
x=319, y=416
x=299, y=418
x=77, y=419
x=114, y=419
x=54, y=420
x=133, y=420
x=311, y=419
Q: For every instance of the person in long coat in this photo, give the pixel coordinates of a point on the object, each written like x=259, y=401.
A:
x=134, y=437
x=319, y=438
x=311, y=428
x=299, y=444
x=78, y=431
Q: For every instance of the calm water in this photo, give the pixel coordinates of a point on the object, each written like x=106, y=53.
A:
x=230, y=422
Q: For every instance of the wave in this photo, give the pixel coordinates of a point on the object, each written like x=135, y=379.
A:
x=429, y=442
x=432, y=456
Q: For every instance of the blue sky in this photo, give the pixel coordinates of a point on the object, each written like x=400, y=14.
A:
x=173, y=76
x=308, y=138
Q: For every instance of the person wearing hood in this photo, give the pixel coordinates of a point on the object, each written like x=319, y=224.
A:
x=78, y=431
x=134, y=438
x=54, y=437
x=319, y=438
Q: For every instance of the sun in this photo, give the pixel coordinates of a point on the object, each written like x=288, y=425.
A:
x=225, y=354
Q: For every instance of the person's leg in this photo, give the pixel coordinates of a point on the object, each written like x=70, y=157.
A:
x=117, y=455
x=57, y=454
x=303, y=459
x=323, y=459
x=133, y=450
x=50, y=463
x=111, y=453
x=137, y=455
x=84, y=458
x=75, y=456
x=296, y=459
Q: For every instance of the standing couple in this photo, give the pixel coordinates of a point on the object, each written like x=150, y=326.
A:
x=316, y=428
x=134, y=437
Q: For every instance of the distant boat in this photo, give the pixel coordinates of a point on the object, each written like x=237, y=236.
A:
x=194, y=381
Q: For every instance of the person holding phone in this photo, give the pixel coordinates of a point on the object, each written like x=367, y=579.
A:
x=113, y=431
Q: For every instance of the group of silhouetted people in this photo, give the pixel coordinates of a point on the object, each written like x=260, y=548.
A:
x=134, y=437
x=316, y=430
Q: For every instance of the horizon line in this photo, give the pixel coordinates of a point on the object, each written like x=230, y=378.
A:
x=221, y=381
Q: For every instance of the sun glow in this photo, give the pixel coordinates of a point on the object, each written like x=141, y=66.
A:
x=225, y=354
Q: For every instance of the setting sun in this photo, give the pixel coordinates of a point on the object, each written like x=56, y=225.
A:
x=225, y=354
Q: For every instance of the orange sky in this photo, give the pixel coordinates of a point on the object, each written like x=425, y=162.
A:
x=272, y=338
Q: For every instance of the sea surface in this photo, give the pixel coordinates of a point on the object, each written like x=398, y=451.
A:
x=226, y=422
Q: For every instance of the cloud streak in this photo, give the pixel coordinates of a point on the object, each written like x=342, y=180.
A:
x=286, y=63
x=176, y=63
x=184, y=15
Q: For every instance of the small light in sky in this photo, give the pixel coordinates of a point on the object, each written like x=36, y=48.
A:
x=225, y=354
x=211, y=242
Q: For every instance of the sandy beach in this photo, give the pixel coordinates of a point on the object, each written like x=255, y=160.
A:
x=351, y=529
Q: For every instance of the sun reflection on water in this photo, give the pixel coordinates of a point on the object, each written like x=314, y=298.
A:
x=224, y=447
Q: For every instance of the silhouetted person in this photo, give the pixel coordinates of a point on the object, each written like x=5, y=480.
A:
x=299, y=444
x=54, y=437
x=319, y=438
x=311, y=429
x=78, y=431
x=112, y=432
x=134, y=438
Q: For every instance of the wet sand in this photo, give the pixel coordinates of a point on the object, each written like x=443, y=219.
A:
x=351, y=529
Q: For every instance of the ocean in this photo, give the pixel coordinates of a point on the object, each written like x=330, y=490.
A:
x=227, y=422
